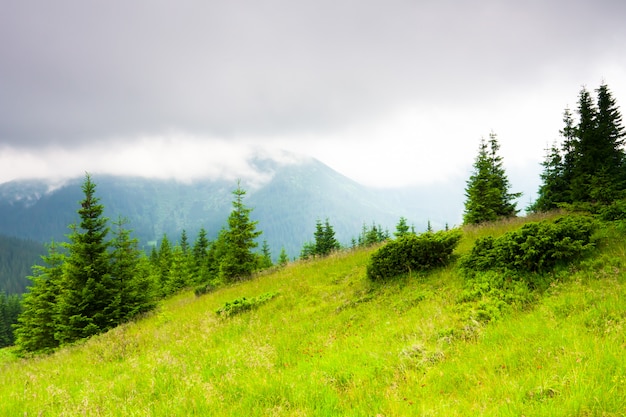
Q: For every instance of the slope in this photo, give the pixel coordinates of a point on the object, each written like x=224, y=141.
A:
x=330, y=343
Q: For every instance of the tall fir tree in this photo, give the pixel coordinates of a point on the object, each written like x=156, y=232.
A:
x=238, y=261
x=608, y=177
x=488, y=195
x=88, y=289
x=586, y=149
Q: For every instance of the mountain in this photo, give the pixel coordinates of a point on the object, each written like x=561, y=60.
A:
x=287, y=200
x=17, y=256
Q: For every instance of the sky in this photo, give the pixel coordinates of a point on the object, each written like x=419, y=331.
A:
x=389, y=93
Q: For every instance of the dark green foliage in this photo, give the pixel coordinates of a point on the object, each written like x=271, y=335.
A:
x=239, y=261
x=534, y=248
x=10, y=309
x=265, y=258
x=200, y=257
x=17, y=257
x=283, y=259
x=94, y=286
x=37, y=324
x=241, y=304
x=163, y=265
x=412, y=253
x=131, y=275
x=88, y=289
x=487, y=193
x=371, y=235
x=325, y=241
x=402, y=228
x=589, y=166
x=501, y=273
x=204, y=289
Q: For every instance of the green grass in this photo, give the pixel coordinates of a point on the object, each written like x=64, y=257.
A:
x=332, y=344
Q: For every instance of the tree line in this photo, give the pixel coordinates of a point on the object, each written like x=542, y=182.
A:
x=93, y=283
x=584, y=170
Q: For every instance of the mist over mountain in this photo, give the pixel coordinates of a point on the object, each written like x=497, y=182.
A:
x=287, y=200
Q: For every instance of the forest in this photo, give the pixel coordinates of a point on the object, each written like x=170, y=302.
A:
x=100, y=278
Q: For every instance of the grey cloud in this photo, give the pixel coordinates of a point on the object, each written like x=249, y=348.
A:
x=75, y=71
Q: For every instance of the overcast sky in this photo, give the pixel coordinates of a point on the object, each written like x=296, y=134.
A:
x=389, y=93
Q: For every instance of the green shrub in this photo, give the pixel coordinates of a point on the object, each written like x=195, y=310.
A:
x=410, y=253
x=536, y=247
x=204, y=289
x=241, y=304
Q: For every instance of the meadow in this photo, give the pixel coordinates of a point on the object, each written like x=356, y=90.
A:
x=330, y=343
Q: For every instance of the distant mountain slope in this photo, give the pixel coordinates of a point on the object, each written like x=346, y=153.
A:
x=17, y=256
x=286, y=207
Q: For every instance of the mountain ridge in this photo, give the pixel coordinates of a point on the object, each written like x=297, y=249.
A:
x=287, y=199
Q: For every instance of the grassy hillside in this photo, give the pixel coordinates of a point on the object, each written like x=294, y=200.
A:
x=332, y=344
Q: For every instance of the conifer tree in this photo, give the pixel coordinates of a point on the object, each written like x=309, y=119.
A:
x=36, y=326
x=487, y=192
x=200, y=257
x=325, y=241
x=135, y=289
x=87, y=287
x=402, y=228
x=184, y=242
x=554, y=189
x=10, y=308
x=283, y=258
x=163, y=265
x=239, y=261
x=265, y=260
x=590, y=165
x=179, y=273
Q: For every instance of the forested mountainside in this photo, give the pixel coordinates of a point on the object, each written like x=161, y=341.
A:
x=286, y=207
x=17, y=256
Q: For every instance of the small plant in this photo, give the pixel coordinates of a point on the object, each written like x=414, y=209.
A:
x=411, y=253
x=241, y=304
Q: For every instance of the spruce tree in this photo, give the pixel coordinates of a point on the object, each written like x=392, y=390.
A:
x=87, y=288
x=590, y=165
x=163, y=265
x=36, y=327
x=283, y=258
x=200, y=258
x=265, y=259
x=608, y=177
x=135, y=288
x=239, y=261
x=10, y=308
x=553, y=189
x=587, y=151
x=325, y=241
x=487, y=193
x=402, y=228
